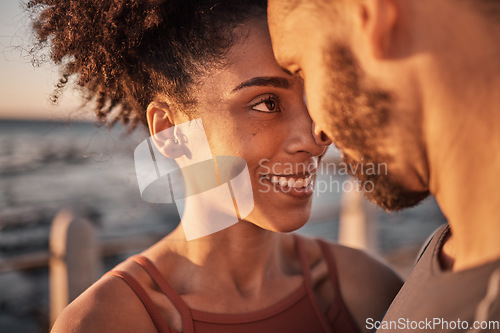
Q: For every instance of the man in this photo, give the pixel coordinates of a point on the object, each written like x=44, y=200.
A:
x=414, y=84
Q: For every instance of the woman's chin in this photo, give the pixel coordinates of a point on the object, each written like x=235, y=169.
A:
x=290, y=227
x=284, y=225
x=283, y=221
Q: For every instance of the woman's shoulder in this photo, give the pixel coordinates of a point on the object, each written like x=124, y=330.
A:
x=345, y=258
x=109, y=305
x=367, y=284
x=351, y=264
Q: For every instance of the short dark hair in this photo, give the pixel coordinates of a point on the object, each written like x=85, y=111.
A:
x=126, y=53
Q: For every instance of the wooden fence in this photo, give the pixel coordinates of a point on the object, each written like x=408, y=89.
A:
x=74, y=257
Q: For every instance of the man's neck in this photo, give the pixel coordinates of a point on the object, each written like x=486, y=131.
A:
x=464, y=169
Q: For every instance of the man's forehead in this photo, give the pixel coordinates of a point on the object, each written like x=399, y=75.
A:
x=283, y=6
x=280, y=11
x=282, y=38
x=290, y=27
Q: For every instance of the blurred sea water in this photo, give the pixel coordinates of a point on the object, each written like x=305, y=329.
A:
x=47, y=166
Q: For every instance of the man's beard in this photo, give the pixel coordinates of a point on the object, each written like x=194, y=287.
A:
x=357, y=121
x=380, y=188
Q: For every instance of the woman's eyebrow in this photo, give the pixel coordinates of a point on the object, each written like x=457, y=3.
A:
x=263, y=81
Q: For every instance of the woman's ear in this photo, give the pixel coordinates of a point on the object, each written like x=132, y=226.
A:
x=379, y=21
x=159, y=117
x=162, y=129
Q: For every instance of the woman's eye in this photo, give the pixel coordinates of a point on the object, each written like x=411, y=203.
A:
x=269, y=104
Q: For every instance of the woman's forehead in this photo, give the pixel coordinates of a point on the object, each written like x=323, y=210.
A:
x=250, y=57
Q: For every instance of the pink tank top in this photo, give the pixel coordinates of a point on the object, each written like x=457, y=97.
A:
x=298, y=312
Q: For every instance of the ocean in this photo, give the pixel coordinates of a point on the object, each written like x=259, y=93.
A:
x=47, y=166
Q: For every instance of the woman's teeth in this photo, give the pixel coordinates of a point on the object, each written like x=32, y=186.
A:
x=290, y=181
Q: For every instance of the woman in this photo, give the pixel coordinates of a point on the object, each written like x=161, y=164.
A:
x=165, y=63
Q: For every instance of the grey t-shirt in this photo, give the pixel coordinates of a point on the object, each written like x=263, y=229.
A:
x=433, y=300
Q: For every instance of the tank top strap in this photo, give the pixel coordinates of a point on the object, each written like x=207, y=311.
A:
x=304, y=264
x=338, y=311
x=168, y=290
x=143, y=296
x=332, y=268
x=306, y=272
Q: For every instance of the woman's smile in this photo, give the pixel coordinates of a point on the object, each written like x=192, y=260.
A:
x=298, y=186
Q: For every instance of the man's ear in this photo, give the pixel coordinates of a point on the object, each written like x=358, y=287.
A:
x=379, y=22
x=162, y=129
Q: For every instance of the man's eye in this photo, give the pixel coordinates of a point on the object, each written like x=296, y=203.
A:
x=269, y=104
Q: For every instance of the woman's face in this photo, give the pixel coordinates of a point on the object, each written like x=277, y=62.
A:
x=252, y=109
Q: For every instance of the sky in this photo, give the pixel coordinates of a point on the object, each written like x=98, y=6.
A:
x=25, y=89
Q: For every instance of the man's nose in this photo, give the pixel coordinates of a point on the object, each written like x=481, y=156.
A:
x=319, y=136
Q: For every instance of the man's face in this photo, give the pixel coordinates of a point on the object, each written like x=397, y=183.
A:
x=353, y=110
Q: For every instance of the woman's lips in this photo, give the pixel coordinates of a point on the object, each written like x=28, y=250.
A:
x=294, y=185
x=290, y=181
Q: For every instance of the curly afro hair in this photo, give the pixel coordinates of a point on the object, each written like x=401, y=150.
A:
x=126, y=53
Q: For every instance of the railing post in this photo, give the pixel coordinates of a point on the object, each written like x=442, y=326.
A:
x=358, y=224
x=74, y=259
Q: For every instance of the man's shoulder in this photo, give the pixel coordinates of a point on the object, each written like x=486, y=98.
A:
x=432, y=294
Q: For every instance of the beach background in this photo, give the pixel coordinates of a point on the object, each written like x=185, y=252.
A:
x=52, y=157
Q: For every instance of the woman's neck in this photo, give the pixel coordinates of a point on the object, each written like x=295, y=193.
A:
x=243, y=256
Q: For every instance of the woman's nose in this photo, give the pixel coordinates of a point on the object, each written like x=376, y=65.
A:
x=319, y=136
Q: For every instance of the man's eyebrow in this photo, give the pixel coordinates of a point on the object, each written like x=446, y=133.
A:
x=263, y=81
